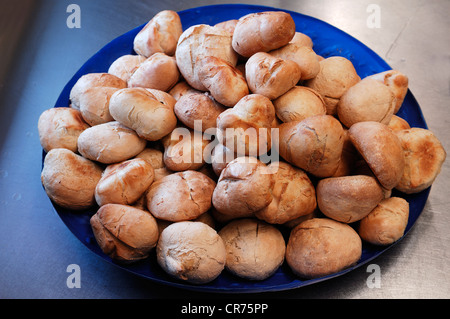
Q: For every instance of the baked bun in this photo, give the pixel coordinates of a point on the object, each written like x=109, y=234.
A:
x=191, y=251
x=348, y=198
x=302, y=39
x=397, y=123
x=255, y=249
x=110, y=143
x=244, y=187
x=299, y=103
x=386, y=223
x=293, y=195
x=155, y=158
x=314, y=144
x=336, y=75
x=180, y=196
x=424, y=156
x=381, y=149
x=124, y=183
x=220, y=157
x=93, y=80
x=70, y=179
x=59, y=127
x=322, y=246
x=160, y=34
x=123, y=67
x=262, y=32
x=271, y=76
x=140, y=110
x=124, y=233
x=94, y=105
x=367, y=100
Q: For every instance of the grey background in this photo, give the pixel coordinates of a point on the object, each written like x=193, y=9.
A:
x=39, y=55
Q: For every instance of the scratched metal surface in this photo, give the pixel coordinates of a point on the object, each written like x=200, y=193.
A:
x=36, y=247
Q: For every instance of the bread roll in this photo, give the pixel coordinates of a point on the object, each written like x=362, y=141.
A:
x=139, y=110
x=94, y=105
x=271, y=76
x=262, y=32
x=124, y=183
x=255, y=249
x=182, y=88
x=320, y=246
x=70, y=179
x=293, y=195
x=191, y=251
x=397, y=82
x=163, y=97
x=386, y=223
x=158, y=72
x=160, y=34
x=244, y=187
x=220, y=157
x=397, y=123
x=348, y=198
x=225, y=82
x=246, y=128
x=299, y=103
x=180, y=196
x=381, y=149
x=200, y=41
x=156, y=159
x=227, y=25
x=91, y=80
x=302, y=39
x=124, y=233
x=367, y=100
x=60, y=127
x=314, y=144
x=424, y=156
x=336, y=75
x=303, y=55
x=110, y=143
x=200, y=107
x=124, y=66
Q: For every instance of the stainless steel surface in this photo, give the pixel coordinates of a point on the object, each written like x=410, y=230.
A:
x=36, y=247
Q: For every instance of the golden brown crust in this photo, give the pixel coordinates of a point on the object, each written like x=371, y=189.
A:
x=94, y=105
x=381, y=149
x=262, y=32
x=321, y=246
x=386, y=223
x=397, y=123
x=348, y=198
x=302, y=39
x=124, y=66
x=424, y=156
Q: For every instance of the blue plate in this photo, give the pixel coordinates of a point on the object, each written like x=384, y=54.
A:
x=328, y=41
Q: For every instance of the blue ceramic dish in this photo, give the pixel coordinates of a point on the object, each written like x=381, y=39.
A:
x=328, y=41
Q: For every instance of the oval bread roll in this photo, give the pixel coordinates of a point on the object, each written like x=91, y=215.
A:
x=180, y=196
x=262, y=32
x=124, y=233
x=70, y=179
x=397, y=82
x=123, y=67
x=321, y=246
x=348, y=198
x=386, y=223
x=160, y=34
x=381, y=149
x=124, y=183
x=94, y=105
x=302, y=39
x=59, y=127
x=110, y=143
x=424, y=156
x=255, y=249
x=191, y=251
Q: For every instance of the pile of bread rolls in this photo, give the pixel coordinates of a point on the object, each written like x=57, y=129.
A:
x=116, y=152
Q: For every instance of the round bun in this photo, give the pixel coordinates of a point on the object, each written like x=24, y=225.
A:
x=70, y=179
x=60, y=127
x=293, y=195
x=386, y=223
x=124, y=233
x=314, y=144
x=336, y=75
x=243, y=188
x=110, y=143
x=124, y=66
x=124, y=183
x=94, y=105
x=381, y=149
x=180, y=196
x=424, y=156
x=348, y=198
x=191, y=251
x=255, y=249
x=321, y=246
